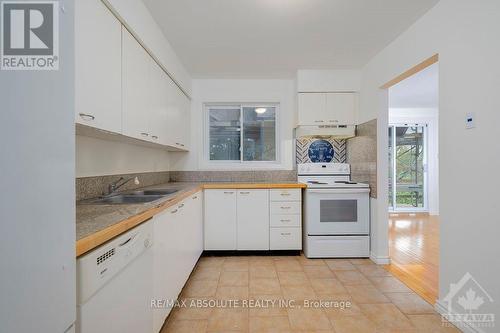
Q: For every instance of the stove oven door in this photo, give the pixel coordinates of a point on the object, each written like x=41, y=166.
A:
x=339, y=211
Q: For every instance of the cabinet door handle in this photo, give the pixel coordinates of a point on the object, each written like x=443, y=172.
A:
x=86, y=116
x=144, y=134
x=286, y=233
x=174, y=211
x=228, y=192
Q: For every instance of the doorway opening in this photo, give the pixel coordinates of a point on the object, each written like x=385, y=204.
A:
x=408, y=169
x=413, y=174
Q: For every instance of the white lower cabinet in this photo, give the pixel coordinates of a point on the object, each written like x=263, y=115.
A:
x=286, y=238
x=286, y=219
x=286, y=207
x=178, y=244
x=252, y=220
x=220, y=219
x=249, y=219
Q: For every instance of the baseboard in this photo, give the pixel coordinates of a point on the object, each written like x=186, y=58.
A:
x=382, y=260
x=460, y=325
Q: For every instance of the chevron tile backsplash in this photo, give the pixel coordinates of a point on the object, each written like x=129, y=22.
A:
x=302, y=149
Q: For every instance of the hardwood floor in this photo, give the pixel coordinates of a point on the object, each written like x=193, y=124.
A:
x=414, y=252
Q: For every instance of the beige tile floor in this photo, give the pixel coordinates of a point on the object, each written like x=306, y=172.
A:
x=378, y=302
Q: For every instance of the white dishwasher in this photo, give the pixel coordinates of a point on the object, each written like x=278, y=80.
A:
x=114, y=285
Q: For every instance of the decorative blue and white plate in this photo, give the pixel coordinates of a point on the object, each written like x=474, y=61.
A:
x=320, y=151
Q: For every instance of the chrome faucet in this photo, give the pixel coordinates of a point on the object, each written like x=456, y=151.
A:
x=114, y=186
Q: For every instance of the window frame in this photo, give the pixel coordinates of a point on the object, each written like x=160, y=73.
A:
x=239, y=164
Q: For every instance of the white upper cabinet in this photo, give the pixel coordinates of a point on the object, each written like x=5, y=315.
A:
x=327, y=108
x=120, y=87
x=312, y=108
x=158, y=104
x=178, y=120
x=136, y=108
x=341, y=108
x=183, y=119
x=97, y=66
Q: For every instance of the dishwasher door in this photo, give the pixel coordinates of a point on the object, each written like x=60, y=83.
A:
x=122, y=304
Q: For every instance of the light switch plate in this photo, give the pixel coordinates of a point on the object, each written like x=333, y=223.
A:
x=470, y=120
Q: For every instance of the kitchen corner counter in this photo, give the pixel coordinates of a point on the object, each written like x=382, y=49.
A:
x=98, y=223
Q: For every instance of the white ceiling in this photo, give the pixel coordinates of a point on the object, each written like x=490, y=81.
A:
x=274, y=38
x=420, y=90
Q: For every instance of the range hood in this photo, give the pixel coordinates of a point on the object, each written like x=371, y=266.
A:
x=336, y=131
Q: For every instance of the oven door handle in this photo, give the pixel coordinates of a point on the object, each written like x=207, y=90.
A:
x=338, y=190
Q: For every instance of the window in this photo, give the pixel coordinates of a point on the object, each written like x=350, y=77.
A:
x=241, y=133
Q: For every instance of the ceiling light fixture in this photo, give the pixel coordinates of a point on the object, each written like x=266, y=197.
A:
x=260, y=110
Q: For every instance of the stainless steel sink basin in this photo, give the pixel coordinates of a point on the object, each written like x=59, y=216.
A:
x=125, y=199
x=153, y=192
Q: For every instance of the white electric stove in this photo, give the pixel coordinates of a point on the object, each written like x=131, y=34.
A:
x=336, y=212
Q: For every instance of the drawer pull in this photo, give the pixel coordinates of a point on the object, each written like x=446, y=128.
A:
x=195, y=197
x=285, y=207
x=144, y=134
x=285, y=194
x=174, y=211
x=155, y=137
x=286, y=233
x=86, y=116
x=180, y=206
x=286, y=220
x=319, y=121
x=244, y=192
x=228, y=192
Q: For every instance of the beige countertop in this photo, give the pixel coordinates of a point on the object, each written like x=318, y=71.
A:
x=98, y=223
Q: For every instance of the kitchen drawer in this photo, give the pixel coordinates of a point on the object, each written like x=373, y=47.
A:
x=286, y=220
x=285, y=238
x=294, y=194
x=286, y=207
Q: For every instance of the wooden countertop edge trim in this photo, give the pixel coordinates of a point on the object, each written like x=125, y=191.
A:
x=252, y=185
x=98, y=238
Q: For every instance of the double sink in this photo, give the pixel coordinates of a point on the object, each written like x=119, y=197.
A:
x=135, y=197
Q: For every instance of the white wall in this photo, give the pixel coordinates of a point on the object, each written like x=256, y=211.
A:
x=37, y=204
x=427, y=116
x=236, y=91
x=137, y=18
x=465, y=34
x=312, y=80
x=97, y=157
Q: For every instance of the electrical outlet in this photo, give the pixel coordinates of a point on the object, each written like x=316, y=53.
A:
x=470, y=121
